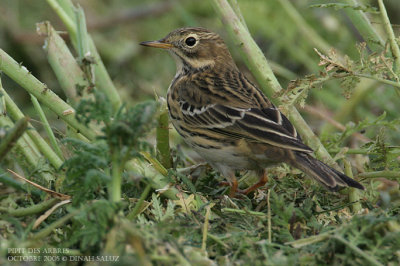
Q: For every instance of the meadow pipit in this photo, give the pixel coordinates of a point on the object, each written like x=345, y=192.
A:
x=227, y=119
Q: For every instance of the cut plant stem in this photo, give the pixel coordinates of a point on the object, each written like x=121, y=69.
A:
x=103, y=80
x=23, y=77
x=69, y=74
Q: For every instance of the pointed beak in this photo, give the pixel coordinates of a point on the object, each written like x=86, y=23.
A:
x=157, y=44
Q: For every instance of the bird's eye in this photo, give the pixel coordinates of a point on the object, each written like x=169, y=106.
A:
x=190, y=41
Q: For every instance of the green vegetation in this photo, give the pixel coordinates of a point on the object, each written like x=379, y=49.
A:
x=91, y=167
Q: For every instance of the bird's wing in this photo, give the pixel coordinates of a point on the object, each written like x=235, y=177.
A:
x=221, y=112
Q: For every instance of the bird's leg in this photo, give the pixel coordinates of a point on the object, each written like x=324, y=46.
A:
x=234, y=188
x=233, y=184
x=261, y=182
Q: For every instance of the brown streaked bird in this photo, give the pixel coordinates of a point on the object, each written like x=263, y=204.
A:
x=227, y=119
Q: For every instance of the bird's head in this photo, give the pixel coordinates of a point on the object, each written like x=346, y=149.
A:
x=195, y=48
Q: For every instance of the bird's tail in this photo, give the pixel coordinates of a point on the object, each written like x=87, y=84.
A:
x=324, y=174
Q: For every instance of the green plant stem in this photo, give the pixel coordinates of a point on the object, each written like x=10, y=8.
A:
x=66, y=19
x=310, y=240
x=82, y=34
x=354, y=151
x=364, y=26
x=31, y=210
x=354, y=194
x=357, y=250
x=379, y=174
x=31, y=84
x=156, y=164
x=308, y=32
x=269, y=217
x=116, y=177
x=385, y=81
x=245, y=212
x=258, y=65
x=132, y=215
x=49, y=229
x=69, y=75
x=47, y=126
x=12, y=136
x=163, y=149
x=282, y=71
x=156, y=180
x=103, y=80
x=392, y=39
x=235, y=6
x=16, y=114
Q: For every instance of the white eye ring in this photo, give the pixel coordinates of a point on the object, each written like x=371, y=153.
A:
x=192, y=40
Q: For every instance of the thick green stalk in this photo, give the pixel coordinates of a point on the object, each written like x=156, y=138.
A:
x=116, y=177
x=31, y=84
x=31, y=210
x=364, y=26
x=16, y=114
x=258, y=65
x=308, y=32
x=46, y=126
x=379, y=174
x=82, y=34
x=12, y=136
x=392, y=39
x=65, y=16
x=103, y=80
x=69, y=75
x=163, y=149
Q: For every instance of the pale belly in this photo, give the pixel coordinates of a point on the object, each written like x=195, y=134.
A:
x=227, y=156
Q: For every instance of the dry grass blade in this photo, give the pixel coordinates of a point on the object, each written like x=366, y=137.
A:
x=49, y=212
x=48, y=191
